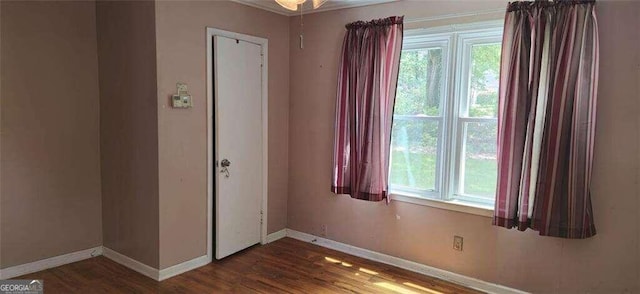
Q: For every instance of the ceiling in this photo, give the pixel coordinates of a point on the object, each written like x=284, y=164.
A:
x=272, y=6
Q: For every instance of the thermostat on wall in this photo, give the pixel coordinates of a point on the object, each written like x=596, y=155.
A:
x=182, y=99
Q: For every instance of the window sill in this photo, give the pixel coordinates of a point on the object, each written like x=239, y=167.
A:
x=455, y=205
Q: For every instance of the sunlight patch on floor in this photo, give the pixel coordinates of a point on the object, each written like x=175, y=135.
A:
x=368, y=271
x=421, y=288
x=332, y=260
x=395, y=288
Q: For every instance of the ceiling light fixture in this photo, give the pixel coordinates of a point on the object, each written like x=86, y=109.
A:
x=293, y=4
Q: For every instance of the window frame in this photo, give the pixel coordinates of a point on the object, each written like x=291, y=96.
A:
x=458, y=40
x=427, y=42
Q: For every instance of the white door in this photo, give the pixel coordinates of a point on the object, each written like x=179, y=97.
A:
x=237, y=82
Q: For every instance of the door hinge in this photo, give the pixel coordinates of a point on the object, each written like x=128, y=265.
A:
x=261, y=57
x=261, y=217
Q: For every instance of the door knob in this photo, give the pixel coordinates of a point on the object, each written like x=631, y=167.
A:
x=224, y=164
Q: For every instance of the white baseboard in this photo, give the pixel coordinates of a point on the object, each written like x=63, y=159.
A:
x=154, y=273
x=131, y=263
x=183, y=267
x=404, y=264
x=36, y=266
x=276, y=236
x=204, y=260
x=175, y=270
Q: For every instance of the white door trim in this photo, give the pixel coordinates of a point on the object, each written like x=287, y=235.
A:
x=264, y=44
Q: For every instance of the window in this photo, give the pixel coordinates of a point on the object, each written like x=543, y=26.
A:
x=443, y=142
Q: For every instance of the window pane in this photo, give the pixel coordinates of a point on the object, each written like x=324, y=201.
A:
x=420, y=82
x=483, y=84
x=479, y=164
x=414, y=150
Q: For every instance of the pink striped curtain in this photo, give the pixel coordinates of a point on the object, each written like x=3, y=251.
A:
x=364, y=107
x=546, y=118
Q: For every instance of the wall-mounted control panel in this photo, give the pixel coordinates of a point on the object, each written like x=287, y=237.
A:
x=182, y=99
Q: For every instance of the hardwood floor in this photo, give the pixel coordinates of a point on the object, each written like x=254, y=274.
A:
x=284, y=266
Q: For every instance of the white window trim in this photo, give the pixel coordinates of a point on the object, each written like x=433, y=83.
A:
x=447, y=185
x=465, y=40
x=454, y=205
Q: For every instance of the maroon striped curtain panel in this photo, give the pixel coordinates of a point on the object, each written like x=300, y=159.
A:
x=546, y=118
x=367, y=78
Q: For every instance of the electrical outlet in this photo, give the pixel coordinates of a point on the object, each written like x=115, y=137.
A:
x=323, y=231
x=457, y=243
x=181, y=101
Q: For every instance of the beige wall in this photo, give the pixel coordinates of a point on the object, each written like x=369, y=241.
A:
x=637, y=94
x=129, y=128
x=606, y=263
x=154, y=157
x=50, y=155
x=181, y=54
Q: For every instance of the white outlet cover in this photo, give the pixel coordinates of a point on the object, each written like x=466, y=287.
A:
x=458, y=243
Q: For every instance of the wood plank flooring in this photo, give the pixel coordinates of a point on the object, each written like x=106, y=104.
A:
x=284, y=266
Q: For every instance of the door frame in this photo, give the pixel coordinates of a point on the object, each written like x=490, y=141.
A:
x=264, y=44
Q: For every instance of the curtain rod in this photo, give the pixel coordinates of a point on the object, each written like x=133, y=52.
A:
x=454, y=15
